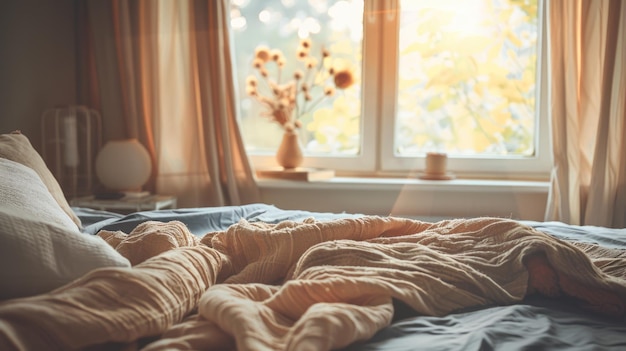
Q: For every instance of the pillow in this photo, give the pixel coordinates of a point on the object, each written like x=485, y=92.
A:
x=16, y=147
x=41, y=247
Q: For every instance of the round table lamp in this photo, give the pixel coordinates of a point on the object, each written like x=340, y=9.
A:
x=123, y=165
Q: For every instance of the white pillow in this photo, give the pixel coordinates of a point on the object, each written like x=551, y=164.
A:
x=41, y=247
x=16, y=147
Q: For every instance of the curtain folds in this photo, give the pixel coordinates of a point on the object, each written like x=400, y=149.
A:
x=588, y=111
x=163, y=76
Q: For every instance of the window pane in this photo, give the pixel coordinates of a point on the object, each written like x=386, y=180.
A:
x=467, y=77
x=330, y=124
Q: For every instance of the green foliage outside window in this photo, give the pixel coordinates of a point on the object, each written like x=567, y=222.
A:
x=467, y=78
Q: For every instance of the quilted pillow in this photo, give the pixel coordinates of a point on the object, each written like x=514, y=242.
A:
x=41, y=247
x=16, y=147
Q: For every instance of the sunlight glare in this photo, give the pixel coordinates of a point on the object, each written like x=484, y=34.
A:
x=306, y=27
x=265, y=16
x=468, y=14
x=339, y=9
x=240, y=3
x=295, y=23
x=347, y=15
x=239, y=23
x=319, y=6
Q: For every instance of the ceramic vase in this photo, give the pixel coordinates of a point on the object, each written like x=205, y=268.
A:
x=289, y=153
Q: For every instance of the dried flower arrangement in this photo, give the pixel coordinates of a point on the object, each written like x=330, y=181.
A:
x=287, y=101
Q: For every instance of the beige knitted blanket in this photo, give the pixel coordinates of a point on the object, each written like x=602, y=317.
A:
x=291, y=286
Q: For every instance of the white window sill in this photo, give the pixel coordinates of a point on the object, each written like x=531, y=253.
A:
x=520, y=199
x=362, y=183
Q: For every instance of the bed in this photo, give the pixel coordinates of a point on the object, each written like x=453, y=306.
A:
x=257, y=277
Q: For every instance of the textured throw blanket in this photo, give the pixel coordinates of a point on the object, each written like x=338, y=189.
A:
x=292, y=286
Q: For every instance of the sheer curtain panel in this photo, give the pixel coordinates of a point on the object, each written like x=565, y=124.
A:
x=163, y=75
x=588, y=99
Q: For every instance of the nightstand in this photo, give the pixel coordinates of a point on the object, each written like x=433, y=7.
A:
x=130, y=204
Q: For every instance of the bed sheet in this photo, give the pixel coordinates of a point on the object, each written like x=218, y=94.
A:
x=199, y=220
x=536, y=324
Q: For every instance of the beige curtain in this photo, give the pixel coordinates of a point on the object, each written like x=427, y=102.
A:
x=588, y=110
x=164, y=76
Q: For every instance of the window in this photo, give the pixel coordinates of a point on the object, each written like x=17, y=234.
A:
x=455, y=76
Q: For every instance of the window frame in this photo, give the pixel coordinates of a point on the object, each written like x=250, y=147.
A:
x=378, y=106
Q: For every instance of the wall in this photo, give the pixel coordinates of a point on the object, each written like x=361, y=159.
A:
x=427, y=200
x=37, y=62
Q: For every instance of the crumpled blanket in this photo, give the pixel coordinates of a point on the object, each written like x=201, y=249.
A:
x=294, y=285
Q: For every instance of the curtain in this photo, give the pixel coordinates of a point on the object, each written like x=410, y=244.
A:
x=588, y=98
x=164, y=76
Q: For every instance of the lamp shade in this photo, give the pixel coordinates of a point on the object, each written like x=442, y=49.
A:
x=123, y=165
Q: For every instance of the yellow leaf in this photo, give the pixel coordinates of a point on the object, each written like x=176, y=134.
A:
x=480, y=141
x=435, y=104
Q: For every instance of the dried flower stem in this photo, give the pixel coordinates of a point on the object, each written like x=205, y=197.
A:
x=283, y=105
